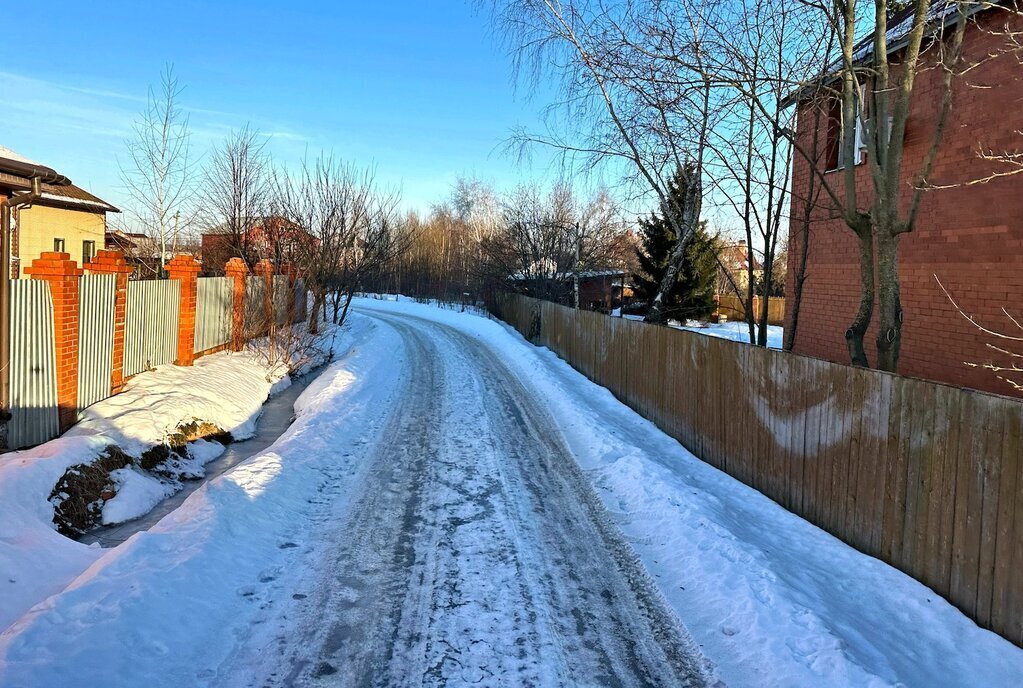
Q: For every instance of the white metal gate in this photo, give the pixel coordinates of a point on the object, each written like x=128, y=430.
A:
x=151, y=324
x=95, y=338
x=214, y=306
x=34, y=418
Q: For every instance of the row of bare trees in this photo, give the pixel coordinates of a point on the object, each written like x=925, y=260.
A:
x=534, y=238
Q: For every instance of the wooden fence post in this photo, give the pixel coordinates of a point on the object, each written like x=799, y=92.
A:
x=114, y=263
x=236, y=270
x=63, y=275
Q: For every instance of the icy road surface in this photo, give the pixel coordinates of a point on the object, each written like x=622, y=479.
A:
x=475, y=553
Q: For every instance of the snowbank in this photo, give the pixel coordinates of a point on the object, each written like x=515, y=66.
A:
x=226, y=390
x=215, y=561
x=36, y=561
x=735, y=331
x=771, y=598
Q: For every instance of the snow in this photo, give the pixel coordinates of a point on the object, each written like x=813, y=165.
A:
x=131, y=618
x=770, y=598
x=765, y=593
x=225, y=389
x=35, y=560
x=735, y=331
x=6, y=152
x=137, y=494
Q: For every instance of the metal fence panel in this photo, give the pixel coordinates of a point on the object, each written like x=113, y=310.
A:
x=95, y=338
x=33, y=366
x=281, y=298
x=151, y=324
x=214, y=302
x=300, y=300
x=255, y=306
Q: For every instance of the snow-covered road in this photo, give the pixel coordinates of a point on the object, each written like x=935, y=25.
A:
x=474, y=553
x=438, y=515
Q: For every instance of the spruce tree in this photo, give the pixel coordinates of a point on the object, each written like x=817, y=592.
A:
x=692, y=297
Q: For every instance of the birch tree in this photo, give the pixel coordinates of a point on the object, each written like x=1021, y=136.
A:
x=158, y=171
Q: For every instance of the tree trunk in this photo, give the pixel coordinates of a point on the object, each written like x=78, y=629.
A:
x=889, y=334
x=765, y=299
x=858, y=329
x=797, y=287
x=314, y=313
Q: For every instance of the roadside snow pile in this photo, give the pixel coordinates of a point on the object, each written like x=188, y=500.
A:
x=223, y=390
x=208, y=569
x=35, y=560
x=137, y=494
x=770, y=598
x=104, y=470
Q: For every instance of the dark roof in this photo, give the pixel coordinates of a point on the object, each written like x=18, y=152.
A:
x=940, y=15
x=75, y=197
x=17, y=171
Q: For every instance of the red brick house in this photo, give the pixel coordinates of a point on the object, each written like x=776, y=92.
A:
x=274, y=238
x=970, y=237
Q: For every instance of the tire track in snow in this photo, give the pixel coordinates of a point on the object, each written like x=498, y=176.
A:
x=477, y=553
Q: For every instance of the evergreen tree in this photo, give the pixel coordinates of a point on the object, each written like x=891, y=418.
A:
x=692, y=297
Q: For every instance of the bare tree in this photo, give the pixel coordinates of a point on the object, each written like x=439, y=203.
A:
x=615, y=109
x=353, y=229
x=236, y=197
x=549, y=240
x=158, y=173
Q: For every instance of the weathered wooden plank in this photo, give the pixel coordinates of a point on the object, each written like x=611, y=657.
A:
x=1007, y=567
x=990, y=475
x=969, y=496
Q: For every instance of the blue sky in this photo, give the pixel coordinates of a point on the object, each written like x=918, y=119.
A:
x=423, y=90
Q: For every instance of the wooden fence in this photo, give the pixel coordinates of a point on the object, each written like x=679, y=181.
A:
x=732, y=307
x=924, y=476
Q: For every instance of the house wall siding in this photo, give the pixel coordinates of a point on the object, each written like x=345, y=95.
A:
x=969, y=237
x=39, y=225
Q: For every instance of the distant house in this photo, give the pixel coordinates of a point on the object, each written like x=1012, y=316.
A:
x=67, y=218
x=274, y=238
x=140, y=251
x=733, y=268
x=599, y=290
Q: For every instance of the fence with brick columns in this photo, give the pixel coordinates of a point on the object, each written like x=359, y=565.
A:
x=63, y=277
x=62, y=274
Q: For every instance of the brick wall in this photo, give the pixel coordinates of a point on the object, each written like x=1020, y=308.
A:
x=970, y=237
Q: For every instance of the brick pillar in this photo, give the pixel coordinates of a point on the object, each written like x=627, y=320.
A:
x=265, y=269
x=236, y=271
x=63, y=275
x=113, y=263
x=185, y=269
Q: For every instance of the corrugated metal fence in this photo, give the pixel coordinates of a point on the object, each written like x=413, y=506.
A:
x=255, y=306
x=33, y=366
x=924, y=476
x=95, y=338
x=281, y=299
x=151, y=324
x=214, y=302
